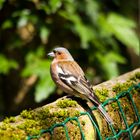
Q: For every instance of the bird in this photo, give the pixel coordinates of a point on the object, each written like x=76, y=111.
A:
x=69, y=76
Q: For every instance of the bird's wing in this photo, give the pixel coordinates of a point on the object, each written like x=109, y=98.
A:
x=73, y=76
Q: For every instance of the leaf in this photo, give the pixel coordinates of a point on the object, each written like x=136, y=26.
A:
x=1, y=3
x=92, y=9
x=123, y=29
x=40, y=67
x=109, y=64
x=22, y=21
x=7, y=24
x=23, y=17
x=55, y=4
x=44, y=88
x=44, y=33
x=84, y=32
x=6, y=64
x=112, y=56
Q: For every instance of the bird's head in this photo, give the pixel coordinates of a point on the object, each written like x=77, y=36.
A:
x=60, y=53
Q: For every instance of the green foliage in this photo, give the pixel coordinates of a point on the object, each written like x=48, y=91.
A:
x=123, y=29
x=31, y=29
x=1, y=3
x=7, y=64
x=109, y=61
x=36, y=65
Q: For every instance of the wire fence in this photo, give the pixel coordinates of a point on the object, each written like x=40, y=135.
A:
x=115, y=135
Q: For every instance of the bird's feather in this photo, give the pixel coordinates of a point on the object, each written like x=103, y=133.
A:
x=76, y=80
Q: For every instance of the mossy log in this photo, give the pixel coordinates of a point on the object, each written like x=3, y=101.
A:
x=29, y=123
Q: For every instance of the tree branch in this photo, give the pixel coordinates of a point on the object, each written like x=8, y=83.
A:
x=29, y=123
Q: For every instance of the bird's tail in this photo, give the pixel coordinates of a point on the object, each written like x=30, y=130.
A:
x=105, y=114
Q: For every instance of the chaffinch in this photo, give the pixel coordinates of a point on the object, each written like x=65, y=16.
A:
x=69, y=77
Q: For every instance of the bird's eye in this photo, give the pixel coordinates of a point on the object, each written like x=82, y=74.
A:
x=59, y=53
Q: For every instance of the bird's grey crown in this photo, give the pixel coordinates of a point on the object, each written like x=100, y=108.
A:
x=61, y=49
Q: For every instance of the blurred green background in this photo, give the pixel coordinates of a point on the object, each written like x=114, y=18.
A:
x=102, y=36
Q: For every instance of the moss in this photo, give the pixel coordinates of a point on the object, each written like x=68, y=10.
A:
x=26, y=114
x=83, y=123
x=120, y=87
x=73, y=130
x=62, y=113
x=36, y=115
x=31, y=122
x=41, y=114
x=135, y=77
x=12, y=135
x=102, y=94
x=66, y=103
x=30, y=127
x=114, y=106
x=59, y=133
x=9, y=120
x=125, y=101
x=10, y=132
x=6, y=126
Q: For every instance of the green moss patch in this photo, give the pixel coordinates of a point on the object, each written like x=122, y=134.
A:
x=102, y=94
x=66, y=103
x=31, y=122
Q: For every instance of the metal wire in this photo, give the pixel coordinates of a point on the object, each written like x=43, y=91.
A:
x=115, y=135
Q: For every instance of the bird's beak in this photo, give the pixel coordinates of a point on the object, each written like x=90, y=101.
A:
x=51, y=54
